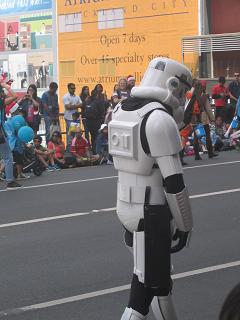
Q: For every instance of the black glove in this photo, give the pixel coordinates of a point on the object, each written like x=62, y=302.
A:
x=182, y=237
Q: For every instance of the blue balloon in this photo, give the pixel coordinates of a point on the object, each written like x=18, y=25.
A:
x=18, y=122
x=25, y=134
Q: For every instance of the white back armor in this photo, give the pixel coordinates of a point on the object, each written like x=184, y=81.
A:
x=125, y=142
x=135, y=167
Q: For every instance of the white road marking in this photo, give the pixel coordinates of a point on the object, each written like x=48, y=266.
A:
x=212, y=165
x=216, y=193
x=60, y=183
x=78, y=214
x=95, y=294
x=64, y=216
x=110, y=177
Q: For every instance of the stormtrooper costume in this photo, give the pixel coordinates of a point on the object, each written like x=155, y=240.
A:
x=153, y=203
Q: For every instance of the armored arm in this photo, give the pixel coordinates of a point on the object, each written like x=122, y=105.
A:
x=164, y=144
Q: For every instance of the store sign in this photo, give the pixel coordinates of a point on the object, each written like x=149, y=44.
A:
x=19, y=6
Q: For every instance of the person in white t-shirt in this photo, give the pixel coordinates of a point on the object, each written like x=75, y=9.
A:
x=121, y=93
x=71, y=104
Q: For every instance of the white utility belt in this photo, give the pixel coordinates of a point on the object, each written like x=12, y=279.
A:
x=134, y=194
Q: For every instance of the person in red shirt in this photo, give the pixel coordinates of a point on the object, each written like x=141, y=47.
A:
x=220, y=94
x=80, y=149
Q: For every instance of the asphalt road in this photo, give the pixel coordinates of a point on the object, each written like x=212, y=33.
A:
x=43, y=262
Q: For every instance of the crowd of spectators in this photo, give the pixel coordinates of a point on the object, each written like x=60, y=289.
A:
x=86, y=117
x=210, y=129
x=88, y=113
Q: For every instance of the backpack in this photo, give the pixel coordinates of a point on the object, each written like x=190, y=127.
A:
x=91, y=110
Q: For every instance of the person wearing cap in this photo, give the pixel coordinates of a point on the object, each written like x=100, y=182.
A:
x=220, y=94
x=102, y=145
x=234, y=92
x=5, y=151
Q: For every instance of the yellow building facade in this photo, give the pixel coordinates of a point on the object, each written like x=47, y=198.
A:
x=102, y=41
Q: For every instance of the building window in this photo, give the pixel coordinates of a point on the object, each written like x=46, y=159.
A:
x=67, y=68
x=70, y=22
x=111, y=18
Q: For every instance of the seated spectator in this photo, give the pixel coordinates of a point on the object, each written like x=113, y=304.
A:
x=221, y=143
x=57, y=145
x=102, y=145
x=80, y=150
x=43, y=154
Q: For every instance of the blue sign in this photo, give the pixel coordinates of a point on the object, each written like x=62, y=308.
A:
x=11, y=7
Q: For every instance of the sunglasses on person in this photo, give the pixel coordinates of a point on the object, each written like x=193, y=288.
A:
x=236, y=75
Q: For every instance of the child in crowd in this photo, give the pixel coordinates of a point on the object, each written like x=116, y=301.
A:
x=74, y=125
x=102, y=145
x=43, y=154
x=222, y=143
x=55, y=126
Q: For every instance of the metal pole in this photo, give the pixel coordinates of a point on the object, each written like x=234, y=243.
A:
x=55, y=41
x=211, y=58
x=182, y=52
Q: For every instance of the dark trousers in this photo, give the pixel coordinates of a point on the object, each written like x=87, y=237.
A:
x=141, y=296
x=208, y=142
x=44, y=82
x=220, y=112
x=86, y=131
x=93, y=127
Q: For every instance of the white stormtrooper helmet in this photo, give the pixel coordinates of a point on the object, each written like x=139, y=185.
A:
x=166, y=81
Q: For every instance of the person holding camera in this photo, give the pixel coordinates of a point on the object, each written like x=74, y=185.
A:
x=5, y=151
x=31, y=106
